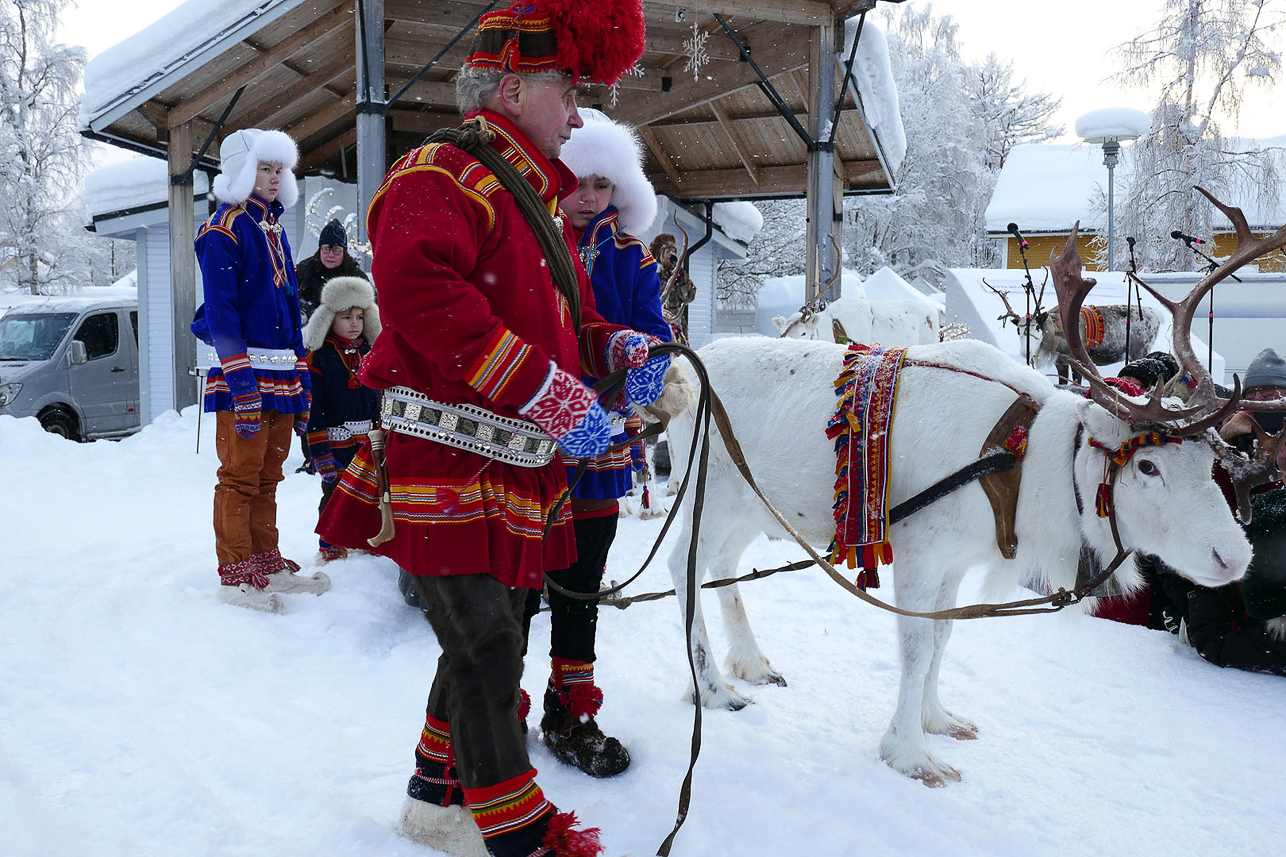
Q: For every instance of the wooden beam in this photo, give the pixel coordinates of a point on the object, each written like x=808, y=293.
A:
x=182, y=284
x=667, y=43
x=262, y=64
x=319, y=120
x=685, y=93
x=747, y=159
x=662, y=157
x=422, y=121
x=810, y=12
x=275, y=106
x=773, y=181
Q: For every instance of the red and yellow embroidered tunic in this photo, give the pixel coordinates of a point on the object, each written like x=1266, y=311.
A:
x=470, y=315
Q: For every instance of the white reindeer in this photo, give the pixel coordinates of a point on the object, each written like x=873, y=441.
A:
x=856, y=319
x=778, y=395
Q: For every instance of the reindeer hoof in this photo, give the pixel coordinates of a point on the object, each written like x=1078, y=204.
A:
x=963, y=732
x=725, y=697
x=934, y=779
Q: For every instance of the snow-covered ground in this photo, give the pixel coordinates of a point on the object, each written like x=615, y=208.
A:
x=140, y=716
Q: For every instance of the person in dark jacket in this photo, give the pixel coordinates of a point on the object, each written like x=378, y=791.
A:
x=332, y=259
x=613, y=200
x=344, y=411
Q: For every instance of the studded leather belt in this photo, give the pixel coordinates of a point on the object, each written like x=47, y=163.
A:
x=466, y=427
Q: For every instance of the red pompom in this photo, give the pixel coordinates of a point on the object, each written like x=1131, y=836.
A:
x=524, y=704
x=566, y=842
x=597, y=39
x=582, y=700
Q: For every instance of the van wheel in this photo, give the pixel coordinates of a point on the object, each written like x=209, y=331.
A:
x=60, y=423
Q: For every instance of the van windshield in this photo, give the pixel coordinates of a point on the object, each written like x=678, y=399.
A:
x=33, y=336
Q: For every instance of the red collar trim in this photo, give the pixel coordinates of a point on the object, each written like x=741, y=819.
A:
x=551, y=179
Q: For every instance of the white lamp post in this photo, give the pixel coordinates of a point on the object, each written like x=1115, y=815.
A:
x=1111, y=126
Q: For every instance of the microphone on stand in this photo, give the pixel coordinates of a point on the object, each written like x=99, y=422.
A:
x=1186, y=239
x=1013, y=230
x=1130, y=240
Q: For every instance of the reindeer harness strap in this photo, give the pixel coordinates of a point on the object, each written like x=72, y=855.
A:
x=1001, y=486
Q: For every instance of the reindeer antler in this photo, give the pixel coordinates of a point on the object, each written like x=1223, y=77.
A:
x=1009, y=313
x=1072, y=289
x=1248, y=249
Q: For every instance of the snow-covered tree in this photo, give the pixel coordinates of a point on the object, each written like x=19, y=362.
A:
x=776, y=251
x=1009, y=113
x=945, y=180
x=1201, y=57
x=43, y=158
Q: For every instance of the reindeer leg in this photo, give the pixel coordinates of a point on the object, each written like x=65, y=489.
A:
x=917, y=582
x=745, y=660
x=936, y=719
x=713, y=691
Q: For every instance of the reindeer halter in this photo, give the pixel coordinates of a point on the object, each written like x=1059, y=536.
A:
x=1117, y=458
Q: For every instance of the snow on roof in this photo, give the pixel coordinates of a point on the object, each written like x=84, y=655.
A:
x=878, y=95
x=132, y=183
x=1112, y=123
x=1046, y=187
x=740, y=221
x=122, y=72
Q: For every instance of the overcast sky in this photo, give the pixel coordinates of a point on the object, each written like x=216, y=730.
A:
x=1060, y=48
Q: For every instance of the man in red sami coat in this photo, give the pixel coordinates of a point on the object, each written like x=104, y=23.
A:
x=480, y=362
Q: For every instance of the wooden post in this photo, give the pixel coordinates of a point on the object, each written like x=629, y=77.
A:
x=371, y=146
x=821, y=260
x=182, y=264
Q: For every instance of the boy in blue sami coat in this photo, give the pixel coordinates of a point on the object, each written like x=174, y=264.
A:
x=258, y=385
x=613, y=200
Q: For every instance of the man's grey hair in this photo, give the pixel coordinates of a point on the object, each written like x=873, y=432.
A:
x=474, y=87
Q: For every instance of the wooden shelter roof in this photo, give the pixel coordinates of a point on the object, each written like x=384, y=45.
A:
x=711, y=134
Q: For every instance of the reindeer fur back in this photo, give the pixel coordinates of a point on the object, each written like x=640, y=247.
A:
x=779, y=396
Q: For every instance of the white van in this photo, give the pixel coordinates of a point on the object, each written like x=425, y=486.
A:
x=73, y=364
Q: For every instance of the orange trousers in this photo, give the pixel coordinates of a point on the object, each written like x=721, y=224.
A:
x=245, y=500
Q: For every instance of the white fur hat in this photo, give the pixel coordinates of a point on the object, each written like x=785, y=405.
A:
x=239, y=159
x=612, y=150
x=340, y=294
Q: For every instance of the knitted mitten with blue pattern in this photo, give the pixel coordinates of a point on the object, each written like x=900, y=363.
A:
x=644, y=378
x=569, y=412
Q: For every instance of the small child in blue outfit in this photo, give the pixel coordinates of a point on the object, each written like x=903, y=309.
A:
x=614, y=199
x=337, y=336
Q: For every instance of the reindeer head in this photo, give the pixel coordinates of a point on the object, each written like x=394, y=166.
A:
x=1204, y=409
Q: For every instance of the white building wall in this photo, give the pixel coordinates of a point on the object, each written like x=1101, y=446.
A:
x=156, y=375
x=701, y=312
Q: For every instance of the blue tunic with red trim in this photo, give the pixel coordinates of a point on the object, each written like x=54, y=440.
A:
x=470, y=315
x=251, y=305
x=627, y=290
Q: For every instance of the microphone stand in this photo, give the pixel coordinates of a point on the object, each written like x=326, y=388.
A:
x=1211, y=267
x=1030, y=288
x=1131, y=292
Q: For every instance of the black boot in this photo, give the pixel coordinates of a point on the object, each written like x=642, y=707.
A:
x=577, y=740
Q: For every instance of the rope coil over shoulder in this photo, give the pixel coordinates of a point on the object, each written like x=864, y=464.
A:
x=474, y=138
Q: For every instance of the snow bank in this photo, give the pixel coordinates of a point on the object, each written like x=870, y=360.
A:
x=132, y=183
